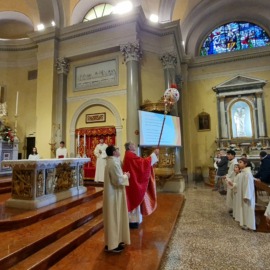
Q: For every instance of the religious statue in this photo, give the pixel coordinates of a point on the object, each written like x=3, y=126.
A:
x=239, y=120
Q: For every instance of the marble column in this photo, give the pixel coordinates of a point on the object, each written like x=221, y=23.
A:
x=169, y=61
x=223, y=124
x=260, y=115
x=132, y=54
x=60, y=104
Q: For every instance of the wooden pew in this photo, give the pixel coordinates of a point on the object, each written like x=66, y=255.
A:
x=261, y=223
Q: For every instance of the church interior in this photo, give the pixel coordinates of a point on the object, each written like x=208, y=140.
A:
x=78, y=70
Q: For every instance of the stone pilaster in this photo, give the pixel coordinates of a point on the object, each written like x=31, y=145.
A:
x=223, y=124
x=132, y=54
x=261, y=119
x=169, y=61
x=60, y=105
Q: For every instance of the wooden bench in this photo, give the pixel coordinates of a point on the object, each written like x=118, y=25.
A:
x=261, y=189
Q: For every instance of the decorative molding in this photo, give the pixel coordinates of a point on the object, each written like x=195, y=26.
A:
x=95, y=96
x=227, y=73
x=168, y=60
x=62, y=65
x=222, y=58
x=131, y=51
x=95, y=118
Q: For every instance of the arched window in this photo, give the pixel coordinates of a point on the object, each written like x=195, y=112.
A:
x=98, y=11
x=234, y=36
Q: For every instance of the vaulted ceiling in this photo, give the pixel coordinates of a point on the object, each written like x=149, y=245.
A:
x=197, y=17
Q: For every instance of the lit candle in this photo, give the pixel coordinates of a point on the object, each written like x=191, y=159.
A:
x=17, y=103
x=78, y=138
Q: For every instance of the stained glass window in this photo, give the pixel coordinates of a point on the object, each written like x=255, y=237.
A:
x=98, y=11
x=234, y=36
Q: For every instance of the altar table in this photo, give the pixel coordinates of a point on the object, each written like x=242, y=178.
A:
x=37, y=183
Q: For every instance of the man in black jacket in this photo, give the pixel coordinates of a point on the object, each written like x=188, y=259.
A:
x=264, y=172
x=222, y=170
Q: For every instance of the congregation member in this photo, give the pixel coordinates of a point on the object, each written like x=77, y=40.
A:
x=34, y=155
x=100, y=153
x=247, y=217
x=264, y=171
x=141, y=192
x=222, y=165
x=61, y=151
x=115, y=212
x=232, y=161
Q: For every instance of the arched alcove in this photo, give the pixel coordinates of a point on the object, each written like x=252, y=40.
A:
x=81, y=109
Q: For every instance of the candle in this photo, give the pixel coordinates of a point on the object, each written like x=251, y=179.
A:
x=84, y=139
x=78, y=138
x=17, y=102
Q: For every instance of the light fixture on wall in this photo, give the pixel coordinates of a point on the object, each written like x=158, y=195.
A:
x=153, y=18
x=123, y=7
x=40, y=27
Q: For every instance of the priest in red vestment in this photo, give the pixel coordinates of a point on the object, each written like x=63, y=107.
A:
x=141, y=192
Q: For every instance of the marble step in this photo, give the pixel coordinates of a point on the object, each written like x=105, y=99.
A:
x=54, y=252
x=17, y=218
x=28, y=240
x=5, y=185
x=5, y=189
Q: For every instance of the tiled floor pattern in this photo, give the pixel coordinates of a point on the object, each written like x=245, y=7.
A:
x=207, y=238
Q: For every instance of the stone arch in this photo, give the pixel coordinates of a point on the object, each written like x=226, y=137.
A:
x=89, y=103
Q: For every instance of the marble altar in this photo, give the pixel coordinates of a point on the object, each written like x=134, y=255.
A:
x=37, y=183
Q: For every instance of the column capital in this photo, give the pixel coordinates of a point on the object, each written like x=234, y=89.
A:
x=168, y=60
x=131, y=51
x=258, y=95
x=62, y=65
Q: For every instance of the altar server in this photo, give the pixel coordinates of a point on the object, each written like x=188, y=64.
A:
x=115, y=213
x=247, y=219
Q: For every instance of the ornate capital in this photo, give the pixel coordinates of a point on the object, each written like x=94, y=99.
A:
x=168, y=60
x=62, y=65
x=131, y=51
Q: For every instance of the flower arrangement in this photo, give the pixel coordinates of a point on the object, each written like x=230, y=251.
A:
x=6, y=133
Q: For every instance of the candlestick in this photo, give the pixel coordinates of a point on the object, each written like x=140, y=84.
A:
x=17, y=103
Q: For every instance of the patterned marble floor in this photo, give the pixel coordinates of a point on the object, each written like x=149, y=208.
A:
x=206, y=237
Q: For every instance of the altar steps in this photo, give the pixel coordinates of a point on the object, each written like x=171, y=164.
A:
x=5, y=185
x=46, y=241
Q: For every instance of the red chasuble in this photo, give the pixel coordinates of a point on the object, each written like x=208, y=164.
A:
x=142, y=187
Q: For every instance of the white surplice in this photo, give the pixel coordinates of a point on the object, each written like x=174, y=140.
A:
x=229, y=195
x=248, y=192
x=115, y=212
x=235, y=181
x=238, y=197
x=101, y=161
x=61, y=152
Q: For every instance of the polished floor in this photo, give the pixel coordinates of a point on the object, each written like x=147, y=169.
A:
x=54, y=234
x=201, y=236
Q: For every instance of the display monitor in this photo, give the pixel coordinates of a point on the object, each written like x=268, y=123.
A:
x=150, y=129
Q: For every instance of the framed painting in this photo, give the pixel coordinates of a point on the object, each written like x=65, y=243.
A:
x=95, y=118
x=203, y=122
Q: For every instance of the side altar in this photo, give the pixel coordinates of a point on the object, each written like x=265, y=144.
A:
x=37, y=183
